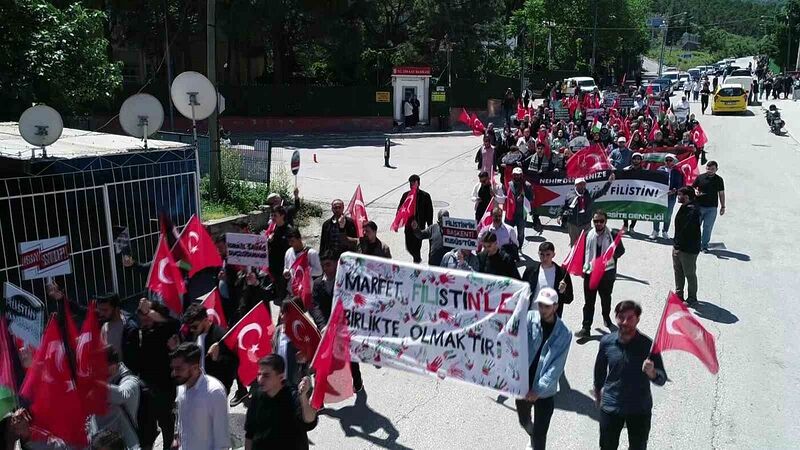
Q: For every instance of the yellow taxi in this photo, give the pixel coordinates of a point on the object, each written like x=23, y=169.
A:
x=729, y=98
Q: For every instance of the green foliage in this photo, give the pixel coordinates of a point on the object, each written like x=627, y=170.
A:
x=673, y=58
x=54, y=56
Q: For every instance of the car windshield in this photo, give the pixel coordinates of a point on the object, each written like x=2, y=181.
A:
x=740, y=73
x=731, y=92
x=586, y=83
x=671, y=76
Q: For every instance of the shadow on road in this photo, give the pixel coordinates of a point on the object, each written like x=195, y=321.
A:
x=624, y=277
x=569, y=399
x=359, y=420
x=713, y=312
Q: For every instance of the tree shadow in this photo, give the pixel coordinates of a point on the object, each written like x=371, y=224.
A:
x=359, y=420
x=630, y=278
x=713, y=312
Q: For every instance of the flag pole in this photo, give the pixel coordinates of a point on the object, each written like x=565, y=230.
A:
x=655, y=338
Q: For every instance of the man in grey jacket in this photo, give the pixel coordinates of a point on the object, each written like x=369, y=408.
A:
x=123, y=402
x=548, y=345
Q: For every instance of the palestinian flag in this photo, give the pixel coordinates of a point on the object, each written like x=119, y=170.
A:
x=653, y=157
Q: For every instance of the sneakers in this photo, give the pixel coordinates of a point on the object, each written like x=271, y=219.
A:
x=582, y=333
x=239, y=397
x=691, y=301
x=654, y=235
x=665, y=235
x=358, y=386
x=705, y=249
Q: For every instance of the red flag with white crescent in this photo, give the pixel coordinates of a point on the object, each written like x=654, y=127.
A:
x=358, y=211
x=301, y=330
x=165, y=279
x=301, y=279
x=573, y=263
x=486, y=219
x=600, y=263
x=334, y=379
x=212, y=302
x=680, y=330
x=688, y=168
x=406, y=210
x=91, y=364
x=588, y=161
x=251, y=340
x=202, y=252
x=699, y=136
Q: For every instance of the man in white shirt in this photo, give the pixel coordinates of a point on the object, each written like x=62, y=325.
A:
x=201, y=403
x=296, y=248
x=506, y=234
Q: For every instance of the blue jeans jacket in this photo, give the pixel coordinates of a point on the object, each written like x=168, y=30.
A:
x=553, y=357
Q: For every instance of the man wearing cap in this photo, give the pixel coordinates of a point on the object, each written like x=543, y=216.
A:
x=548, y=346
x=634, y=167
x=621, y=156
x=274, y=199
x=577, y=209
x=423, y=216
x=675, y=182
x=522, y=193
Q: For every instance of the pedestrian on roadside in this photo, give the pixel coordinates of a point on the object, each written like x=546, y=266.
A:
x=547, y=274
x=578, y=207
x=696, y=90
x=461, y=259
x=279, y=416
x=686, y=244
x=495, y=261
x=423, y=217
x=754, y=94
x=710, y=189
x=202, y=403
x=485, y=156
x=436, y=249
x=408, y=113
x=704, y=93
x=548, y=347
x=623, y=371
x=370, y=244
x=339, y=233
x=767, y=87
x=687, y=87
x=598, y=240
x=483, y=192
x=674, y=182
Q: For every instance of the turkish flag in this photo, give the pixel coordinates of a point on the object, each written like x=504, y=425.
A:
x=465, y=118
x=521, y=111
x=699, y=136
x=599, y=263
x=301, y=279
x=165, y=279
x=212, y=302
x=202, y=252
x=56, y=406
x=688, y=168
x=649, y=90
x=588, y=161
x=92, y=365
x=680, y=330
x=332, y=362
x=477, y=126
x=358, y=211
x=573, y=263
x=510, y=204
x=486, y=219
x=652, y=136
x=251, y=340
x=301, y=330
x=406, y=210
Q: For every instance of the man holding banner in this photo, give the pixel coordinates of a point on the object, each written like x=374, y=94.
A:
x=577, y=209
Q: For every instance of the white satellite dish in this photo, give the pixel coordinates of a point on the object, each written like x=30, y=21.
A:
x=194, y=96
x=141, y=115
x=40, y=125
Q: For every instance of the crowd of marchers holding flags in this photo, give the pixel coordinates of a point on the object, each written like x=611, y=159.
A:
x=105, y=379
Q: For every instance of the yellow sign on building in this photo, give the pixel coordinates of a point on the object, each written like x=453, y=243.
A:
x=383, y=96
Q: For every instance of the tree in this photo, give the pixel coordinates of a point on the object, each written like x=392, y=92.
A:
x=54, y=56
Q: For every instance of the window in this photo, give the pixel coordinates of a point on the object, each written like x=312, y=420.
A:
x=731, y=92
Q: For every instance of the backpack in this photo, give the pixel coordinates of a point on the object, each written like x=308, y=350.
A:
x=146, y=428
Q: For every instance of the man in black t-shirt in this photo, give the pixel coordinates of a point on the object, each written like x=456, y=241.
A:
x=710, y=193
x=279, y=415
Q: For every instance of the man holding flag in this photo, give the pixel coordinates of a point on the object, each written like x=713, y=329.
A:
x=623, y=371
x=577, y=209
x=422, y=211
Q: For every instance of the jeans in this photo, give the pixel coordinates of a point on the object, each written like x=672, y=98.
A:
x=685, y=267
x=520, y=225
x=590, y=297
x=695, y=95
x=668, y=216
x=704, y=102
x=611, y=426
x=542, y=412
x=708, y=215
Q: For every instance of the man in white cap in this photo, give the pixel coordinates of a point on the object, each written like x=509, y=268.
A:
x=621, y=156
x=548, y=346
x=577, y=209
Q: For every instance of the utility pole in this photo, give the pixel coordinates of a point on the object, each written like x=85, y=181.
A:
x=169, y=66
x=663, y=44
x=211, y=69
x=788, y=41
x=594, y=40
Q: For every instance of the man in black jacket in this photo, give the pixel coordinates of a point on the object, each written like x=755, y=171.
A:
x=686, y=245
x=423, y=215
x=217, y=361
x=546, y=273
x=493, y=260
x=277, y=245
x=119, y=329
x=577, y=209
x=339, y=233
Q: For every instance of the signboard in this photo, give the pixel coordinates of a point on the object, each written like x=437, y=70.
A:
x=625, y=101
x=438, y=97
x=561, y=113
x=295, y=162
x=591, y=113
x=460, y=233
x=122, y=240
x=406, y=70
x=439, y=88
x=383, y=96
x=449, y=324
x=247, y=249
x=609, y=98
x=24, y=313
x=44, y=258
x=681, y=112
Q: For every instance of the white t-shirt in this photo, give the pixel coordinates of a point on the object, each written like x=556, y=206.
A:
x=547, y=278
x=408, y=109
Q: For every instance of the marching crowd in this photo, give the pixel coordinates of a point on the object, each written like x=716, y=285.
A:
x=173, y=375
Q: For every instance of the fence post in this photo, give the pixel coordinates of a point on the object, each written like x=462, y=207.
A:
x=387, y=149
x=269, y=161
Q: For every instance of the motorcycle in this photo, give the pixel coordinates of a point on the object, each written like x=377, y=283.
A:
x=774, y=121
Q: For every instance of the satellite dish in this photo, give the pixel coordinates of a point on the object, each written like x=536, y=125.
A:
x=41, y=126
x=141, y=115
x=193, y=95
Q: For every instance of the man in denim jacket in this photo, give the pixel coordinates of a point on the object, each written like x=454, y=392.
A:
x=548, y=345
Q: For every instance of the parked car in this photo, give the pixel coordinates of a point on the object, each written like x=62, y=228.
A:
x=585, y=84
x=729, y=98
x=745, y=82
x=695, y=73
x=665, y=83
x=673, y=77
x=682, y=80
x=741, y=73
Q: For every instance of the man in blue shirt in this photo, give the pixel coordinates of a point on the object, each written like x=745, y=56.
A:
x=623, y=371
x=621, y=156
x=548, y=346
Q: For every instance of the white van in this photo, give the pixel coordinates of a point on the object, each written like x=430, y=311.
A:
x=585, y=84
x=673, y=76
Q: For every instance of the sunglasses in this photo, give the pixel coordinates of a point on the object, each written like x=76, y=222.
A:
x=599, y=221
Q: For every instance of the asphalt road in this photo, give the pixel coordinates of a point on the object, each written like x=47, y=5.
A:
x=746, y=291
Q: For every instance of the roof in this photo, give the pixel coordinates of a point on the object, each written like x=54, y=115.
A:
x=731, y=85
x=76, y=144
